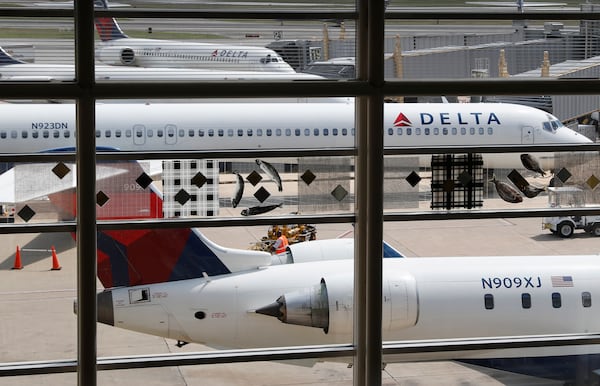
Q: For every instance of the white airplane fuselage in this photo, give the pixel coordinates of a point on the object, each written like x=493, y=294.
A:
x=165, y=53
x=423, y=298
x=59, y=72
x=235, y=126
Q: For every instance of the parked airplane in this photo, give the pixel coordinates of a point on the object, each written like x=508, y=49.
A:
x=235, y=126
x=12, y=69
x=117, y=48
x=177, y=284
x=520, y=4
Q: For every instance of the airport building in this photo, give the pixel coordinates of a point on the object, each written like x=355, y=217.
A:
x=141, y=227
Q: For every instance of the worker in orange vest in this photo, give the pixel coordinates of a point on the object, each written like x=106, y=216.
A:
x=281, y=243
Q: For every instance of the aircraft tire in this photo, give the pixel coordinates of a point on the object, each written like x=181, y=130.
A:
x=595, y=230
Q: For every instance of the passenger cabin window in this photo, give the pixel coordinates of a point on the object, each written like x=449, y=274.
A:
x=488, y=301
x=586, y=299
x=556, y=300
x=526, y=301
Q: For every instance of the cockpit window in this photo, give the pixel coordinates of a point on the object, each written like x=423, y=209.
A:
x=552, y=125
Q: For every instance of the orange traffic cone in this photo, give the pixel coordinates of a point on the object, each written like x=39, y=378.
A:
x=18, y=264
x=55, y=264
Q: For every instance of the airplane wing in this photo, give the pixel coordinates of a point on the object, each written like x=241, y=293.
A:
x=22, y=182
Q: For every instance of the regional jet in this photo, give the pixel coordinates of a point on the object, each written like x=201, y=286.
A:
x=177, y=284
x=245, y=126
x=116, y=48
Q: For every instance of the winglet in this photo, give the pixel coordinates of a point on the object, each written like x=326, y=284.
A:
x=6, y=58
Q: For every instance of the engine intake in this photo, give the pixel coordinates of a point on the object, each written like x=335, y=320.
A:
x=119, y=56
x=329, y=304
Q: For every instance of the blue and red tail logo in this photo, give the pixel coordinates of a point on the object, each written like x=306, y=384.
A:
x=108, y=29
x=140, y=256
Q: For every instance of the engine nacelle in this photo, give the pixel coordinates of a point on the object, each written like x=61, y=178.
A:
x=329, y=304
x=316, y=250
x=116, y=56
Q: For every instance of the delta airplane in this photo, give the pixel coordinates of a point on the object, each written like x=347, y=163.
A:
x=177, y=284
x=12, y=69
x=28, y=128
x=117, y=48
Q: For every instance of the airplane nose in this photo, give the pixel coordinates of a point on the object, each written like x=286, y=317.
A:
x=105, y=308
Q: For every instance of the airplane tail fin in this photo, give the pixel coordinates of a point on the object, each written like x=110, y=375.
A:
x=107, y=27
x=6, y=58
x=145, y=256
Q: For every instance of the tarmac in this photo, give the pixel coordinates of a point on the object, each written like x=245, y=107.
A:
x=37, y=320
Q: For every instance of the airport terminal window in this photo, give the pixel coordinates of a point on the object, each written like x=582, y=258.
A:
x=371, y=90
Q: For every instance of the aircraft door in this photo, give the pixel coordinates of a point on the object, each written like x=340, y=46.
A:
x=139, y=134
x=527, y=135
x=170, y=134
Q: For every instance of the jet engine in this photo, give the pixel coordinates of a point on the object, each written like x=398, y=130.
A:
x=116, y=56
x=328, y=305
x=316, y=250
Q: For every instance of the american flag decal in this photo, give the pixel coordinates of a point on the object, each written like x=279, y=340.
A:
x=562, y=281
